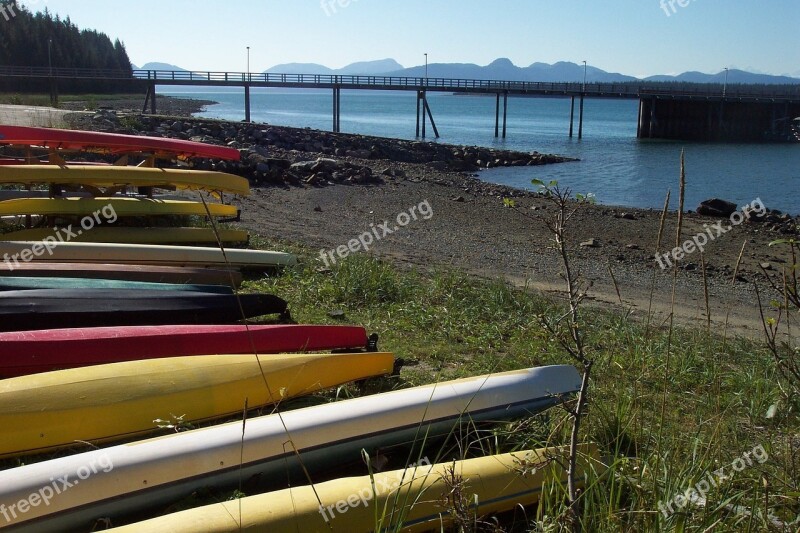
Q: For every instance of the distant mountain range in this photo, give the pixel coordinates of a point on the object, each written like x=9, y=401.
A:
x=504, y=69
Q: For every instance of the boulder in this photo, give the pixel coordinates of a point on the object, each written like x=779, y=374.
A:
x=716, y=208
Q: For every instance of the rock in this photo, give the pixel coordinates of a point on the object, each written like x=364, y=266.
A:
x=439, y=165
x=303, y=166
x=359, y=154
x=177, y=126
x=591, y=243
x=318, y=209
x=336, y=314
x=459, y=199
x=716, y=208
x=766, y=266
x=628, y=216
x=325, y=165
x=260, y=150
x=282, y=164
x=262, y=167
x=632, y=246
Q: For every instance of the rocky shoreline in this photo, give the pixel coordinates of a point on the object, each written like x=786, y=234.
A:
x=276, y=155
x=320, y=189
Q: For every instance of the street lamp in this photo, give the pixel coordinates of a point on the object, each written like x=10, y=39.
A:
x=426, y=65
x=50, y=56
x=725, y=85
x=248, y=62
x=584, y=76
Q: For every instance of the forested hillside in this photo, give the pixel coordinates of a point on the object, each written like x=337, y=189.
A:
x=39, y=39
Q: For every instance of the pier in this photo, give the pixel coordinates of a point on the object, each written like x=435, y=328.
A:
x=699, y=112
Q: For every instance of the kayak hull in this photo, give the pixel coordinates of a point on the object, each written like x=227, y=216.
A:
x=136, y=235
x=123, y=207
x=125, y=176
x=418, y=498
x=113, y=143
x=17, y=253
x=30, y=352
x=68, y=308
x=127, y=272
x=152, y=472
x=46, y=411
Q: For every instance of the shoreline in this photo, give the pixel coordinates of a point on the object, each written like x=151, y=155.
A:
x=306, y=192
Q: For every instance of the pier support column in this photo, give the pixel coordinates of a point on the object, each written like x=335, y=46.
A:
x=580, y=119
x=247, y=103
x=651, y=127
x=639, y=119
x=150, y=97
x=419, y=102
x=497, y=117
x=505, y=112
x=337, y=109
x=430, y=116
x=571, y=116
x=424, y=102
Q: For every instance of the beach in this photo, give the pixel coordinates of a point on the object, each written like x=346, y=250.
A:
x=309, y=192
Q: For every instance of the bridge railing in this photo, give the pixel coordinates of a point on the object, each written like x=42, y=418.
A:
x=629, y=89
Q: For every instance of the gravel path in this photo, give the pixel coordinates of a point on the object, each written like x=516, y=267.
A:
x=46, y=117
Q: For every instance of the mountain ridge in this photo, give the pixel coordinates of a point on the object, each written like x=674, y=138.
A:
x=504, y=69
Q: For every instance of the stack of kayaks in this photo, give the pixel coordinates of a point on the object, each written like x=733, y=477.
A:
x=127, y=370
x=78, y=190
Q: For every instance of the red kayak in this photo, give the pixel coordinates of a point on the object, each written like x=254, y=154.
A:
x=113, y=143
x=31, y=352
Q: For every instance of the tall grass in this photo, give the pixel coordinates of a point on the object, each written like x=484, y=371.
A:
x=447, y=325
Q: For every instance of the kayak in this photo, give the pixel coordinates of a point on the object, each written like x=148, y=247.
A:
x=158, y=471
x=30, y=352
x=117, y=176
x=81, y=308
x=14, y=254
x=33, y=283
x=417, y=498
x=139, y=235
x=151, y=273
x=101, y=403
x=123, y=207
x=113, y=143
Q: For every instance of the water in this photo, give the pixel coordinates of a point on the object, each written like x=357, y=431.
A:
x=618, y=168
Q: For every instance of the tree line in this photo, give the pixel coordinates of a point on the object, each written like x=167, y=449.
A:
x=42, y=40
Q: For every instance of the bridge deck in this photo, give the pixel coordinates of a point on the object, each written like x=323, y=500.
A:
x=630, y=90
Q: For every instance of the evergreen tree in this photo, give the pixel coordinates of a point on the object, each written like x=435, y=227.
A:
x=41, y=40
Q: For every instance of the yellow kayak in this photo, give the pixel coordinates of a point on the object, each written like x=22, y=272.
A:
x=124, y=207
x=135, y=235
x=113, y=176
x=101, y=403
x=418, y=498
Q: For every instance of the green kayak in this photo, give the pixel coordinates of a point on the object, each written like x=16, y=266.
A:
x=26, y=283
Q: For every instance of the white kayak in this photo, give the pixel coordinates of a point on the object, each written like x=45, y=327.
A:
x=131, y=478
x=16, y=253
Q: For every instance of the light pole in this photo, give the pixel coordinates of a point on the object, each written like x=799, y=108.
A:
x=426, y=65
x=50, y=56
x=584, y=76
x=248, y=62
x=725, y=85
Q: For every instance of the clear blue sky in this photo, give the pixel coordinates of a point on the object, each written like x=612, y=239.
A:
x=633, y=37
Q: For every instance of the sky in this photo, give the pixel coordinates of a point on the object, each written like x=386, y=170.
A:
x=634, y=37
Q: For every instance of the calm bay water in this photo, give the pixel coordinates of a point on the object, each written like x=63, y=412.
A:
x=618, y=168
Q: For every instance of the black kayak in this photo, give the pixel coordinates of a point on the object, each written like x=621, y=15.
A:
x=76, y=308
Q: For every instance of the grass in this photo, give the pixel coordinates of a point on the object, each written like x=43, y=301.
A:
x=718, y=391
